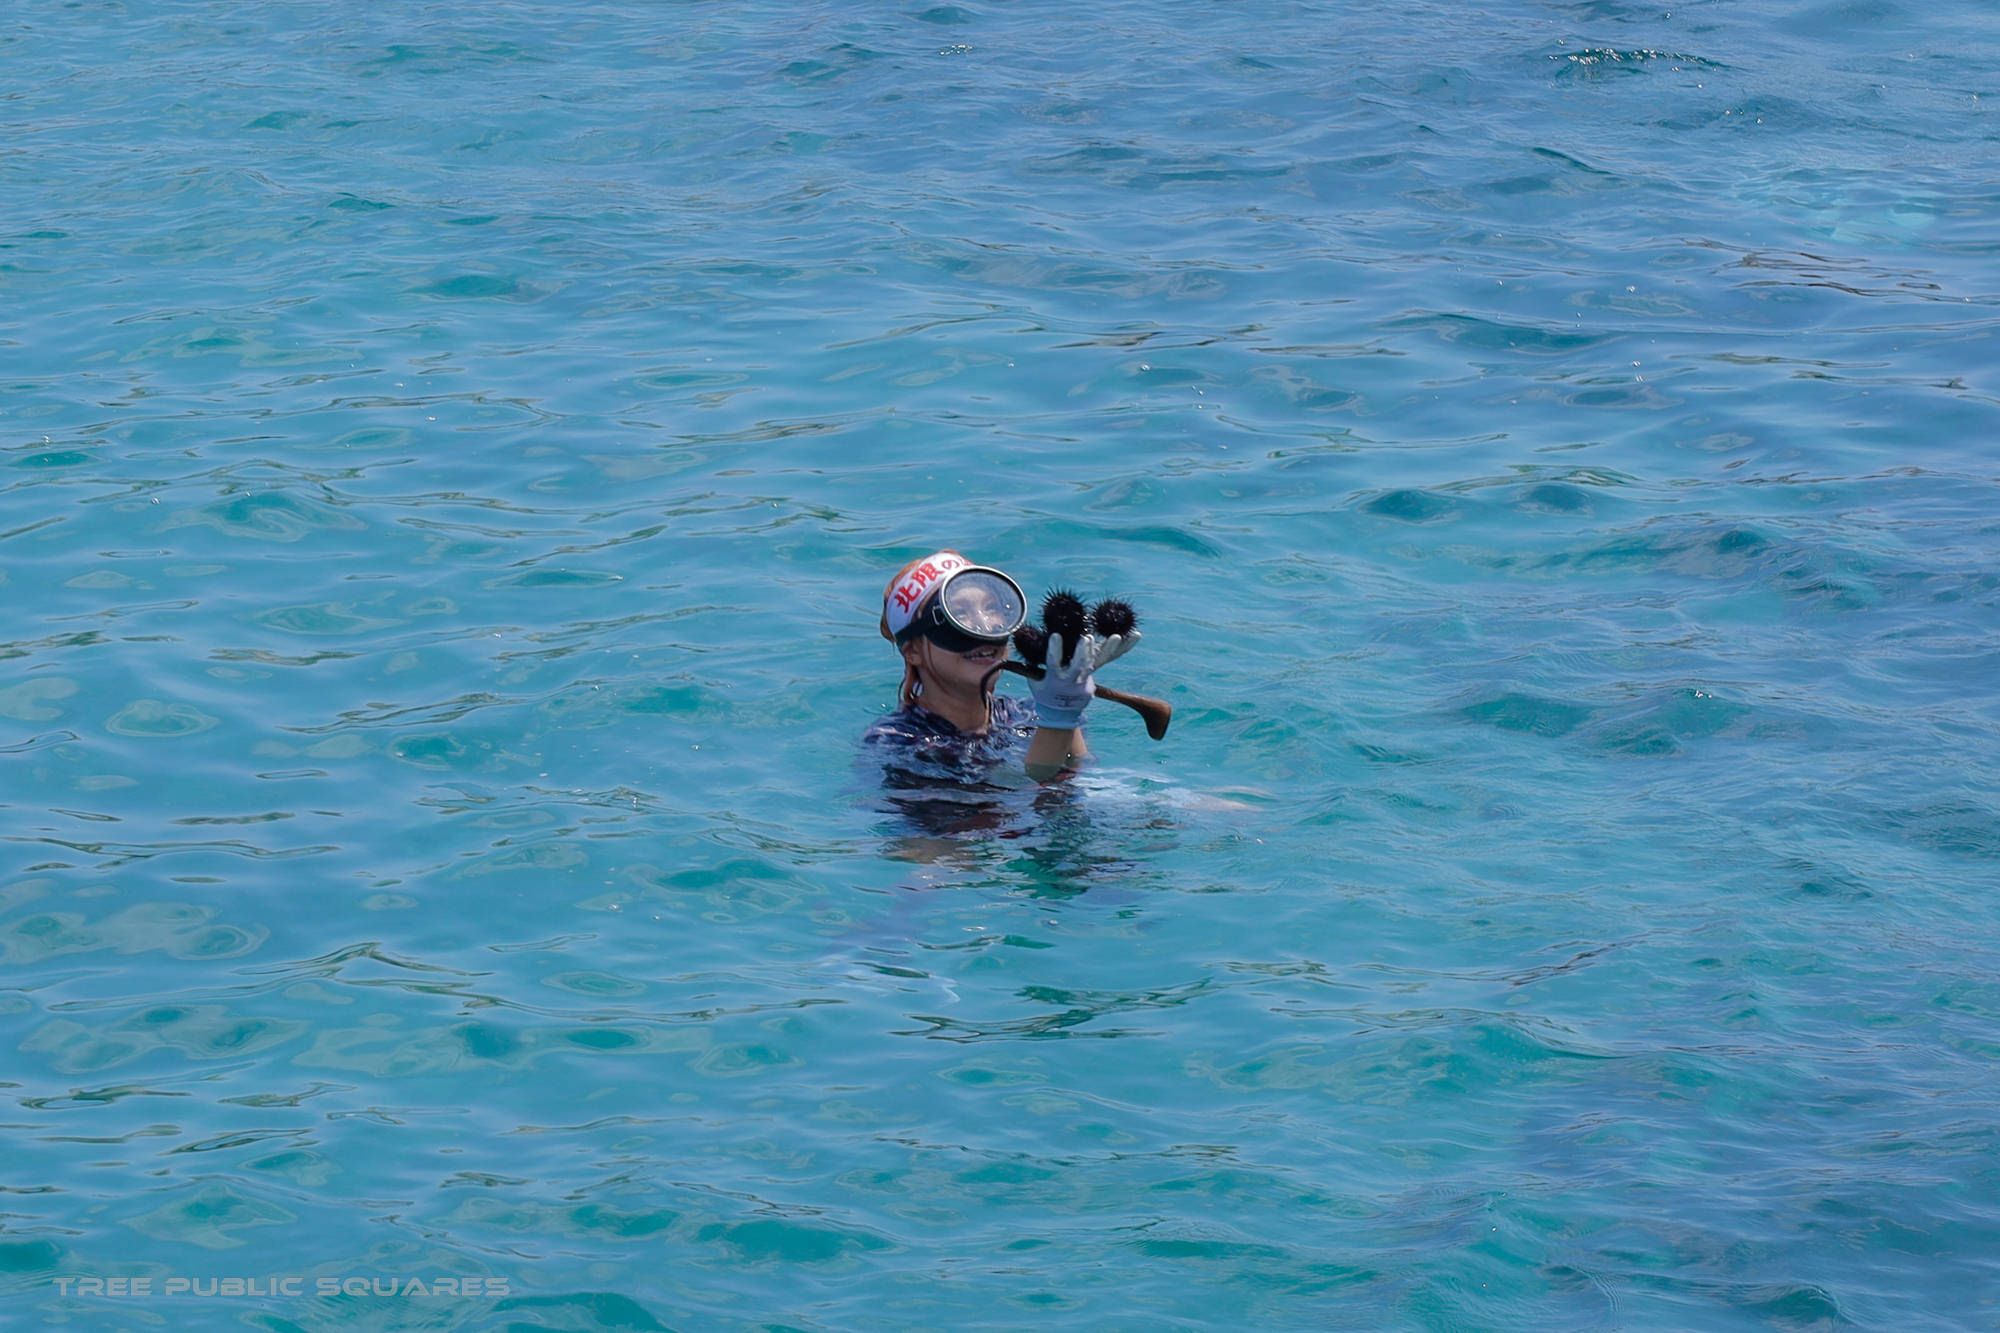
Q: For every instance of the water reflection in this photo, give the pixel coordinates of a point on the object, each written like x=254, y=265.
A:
x=1054, y=840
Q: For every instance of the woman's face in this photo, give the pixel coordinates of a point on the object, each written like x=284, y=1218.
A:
x=965, y=673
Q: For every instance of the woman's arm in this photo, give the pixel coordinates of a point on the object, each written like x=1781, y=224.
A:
x=1054, y=751
x=1061, y=694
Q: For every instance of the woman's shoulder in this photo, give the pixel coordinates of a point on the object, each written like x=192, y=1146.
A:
x=914, y=725
x=1018, y=714
x=908, y=726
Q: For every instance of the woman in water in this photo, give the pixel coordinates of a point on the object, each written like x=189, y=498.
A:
x=951, y=620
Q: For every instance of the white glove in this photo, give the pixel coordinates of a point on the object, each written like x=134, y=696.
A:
x=1113, y=648
x=1064, y=692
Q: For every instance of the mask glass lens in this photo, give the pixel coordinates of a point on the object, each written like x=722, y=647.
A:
x=983, y=603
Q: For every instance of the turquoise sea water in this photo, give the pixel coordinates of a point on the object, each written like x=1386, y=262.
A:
x=449, y=458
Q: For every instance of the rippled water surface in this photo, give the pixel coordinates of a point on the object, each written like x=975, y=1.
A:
x=450, y=459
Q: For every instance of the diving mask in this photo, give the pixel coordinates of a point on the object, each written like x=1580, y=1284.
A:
x=954, y=603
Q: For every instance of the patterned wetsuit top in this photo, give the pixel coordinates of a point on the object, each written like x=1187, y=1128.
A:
x=916, y=740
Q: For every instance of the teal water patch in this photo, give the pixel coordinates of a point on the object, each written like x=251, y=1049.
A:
x=450, y=463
